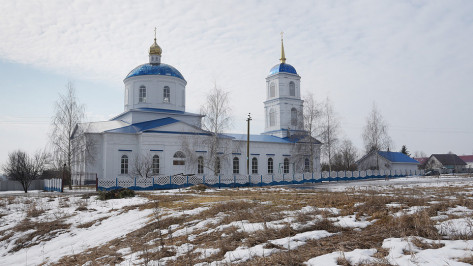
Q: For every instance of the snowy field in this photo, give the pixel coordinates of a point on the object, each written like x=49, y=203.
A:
x=406, y=221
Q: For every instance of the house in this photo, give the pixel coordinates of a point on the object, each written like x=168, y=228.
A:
x=155, y=133
x=449, y=161
x=468, y=159
x=387, y=160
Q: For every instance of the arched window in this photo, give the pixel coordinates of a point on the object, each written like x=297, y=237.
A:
x=292, y=89
x=142, y=94
x=272, y=90
x=254, y=165
x=200, y=165
x=306, y=165
x=217, y=165
x=179, y=158
x=236, y=165
x=166, y=94
x=155, y=165
x=270, y=165
x=124, y=165
x=286, y=166
x=272, y=117
x=293, y=117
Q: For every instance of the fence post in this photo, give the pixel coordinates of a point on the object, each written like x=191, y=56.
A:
x=96, y=183
x=234, y=180
x=249, y=180
x=219, y=184
x=272, y=178
x=170, y=181
x=135, y=181
x=187, y=177
x=116, y=182
x=261, y=180
x=293, y=178
x=153, y=182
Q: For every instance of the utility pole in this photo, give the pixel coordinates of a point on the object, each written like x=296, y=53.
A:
x=248, y=145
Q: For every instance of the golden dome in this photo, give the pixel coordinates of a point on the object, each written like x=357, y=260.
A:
x=155, y=49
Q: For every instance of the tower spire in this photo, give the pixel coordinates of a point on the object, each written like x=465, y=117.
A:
x=283, y=56
x=155, y=51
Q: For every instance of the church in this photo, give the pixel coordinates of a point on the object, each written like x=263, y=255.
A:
x=155, y=136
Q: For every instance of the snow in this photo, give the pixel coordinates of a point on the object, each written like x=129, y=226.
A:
x=355, y=257
x=462, y=227
x=403, y=252
x=351, y=222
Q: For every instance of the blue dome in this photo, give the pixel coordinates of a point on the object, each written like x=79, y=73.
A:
x=155, y=69
x=283, y=67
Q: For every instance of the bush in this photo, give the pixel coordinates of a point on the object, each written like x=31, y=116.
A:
x=116, y=194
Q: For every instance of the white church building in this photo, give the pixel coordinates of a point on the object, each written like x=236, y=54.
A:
x=156, y=135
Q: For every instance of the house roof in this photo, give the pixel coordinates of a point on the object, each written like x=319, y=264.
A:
x=143, y=126
x=467, y=158
x=258, y=138
x=397, y=157
x=421, y=160
x=449, y=159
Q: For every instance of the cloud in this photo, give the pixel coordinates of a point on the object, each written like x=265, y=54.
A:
x=413, y=58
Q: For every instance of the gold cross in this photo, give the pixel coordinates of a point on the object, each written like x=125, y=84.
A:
x=155, y=33
x=282, y=35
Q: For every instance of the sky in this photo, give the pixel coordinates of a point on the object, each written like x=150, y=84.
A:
x=413, y=59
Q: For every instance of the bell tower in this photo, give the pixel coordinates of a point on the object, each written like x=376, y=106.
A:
x=283, y=105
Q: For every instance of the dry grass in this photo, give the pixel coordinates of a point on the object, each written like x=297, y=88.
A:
x=155, y=240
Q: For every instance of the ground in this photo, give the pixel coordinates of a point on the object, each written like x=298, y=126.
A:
x=406, y=221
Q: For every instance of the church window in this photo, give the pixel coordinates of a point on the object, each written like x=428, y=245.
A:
x=179, y=158
x=124, y=165
x=200, y=165
x=270, y=165
x=293, y=117
x=166, y=94
x=292, y=89
x=142, y=96
x=306, y=165
x=254, y=165
x=236, y=165
x=272, y=90
x=286, y=166
x=155, y=164
x=217, y=165
x=272, y=117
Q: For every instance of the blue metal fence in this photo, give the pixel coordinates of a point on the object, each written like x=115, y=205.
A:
x=182, y=181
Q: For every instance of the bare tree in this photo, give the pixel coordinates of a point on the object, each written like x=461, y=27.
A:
x=420, y=154
x=375, y=134
x=24, y=168
x=307, y=146
x=142, y=165
x=217, y=118
x=346, y=155
x=329, y=130
x=68, y=113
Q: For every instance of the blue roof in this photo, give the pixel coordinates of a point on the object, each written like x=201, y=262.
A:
x=155, y=69
x=396, y=157
x=158, y=110
x=143, y=126
x=283, y=67
x=258, y=138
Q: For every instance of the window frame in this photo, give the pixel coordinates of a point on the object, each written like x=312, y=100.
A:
x=200, y=165
x=155, y=165
x=254, y=165
x=270, y=166
x=306, y=165
x=293, y=116
x=166, y=94
x=286, y=166
x=179, y=158
x=124, y=164
x=142, y=94
x=236, y=165
x=292, y=89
